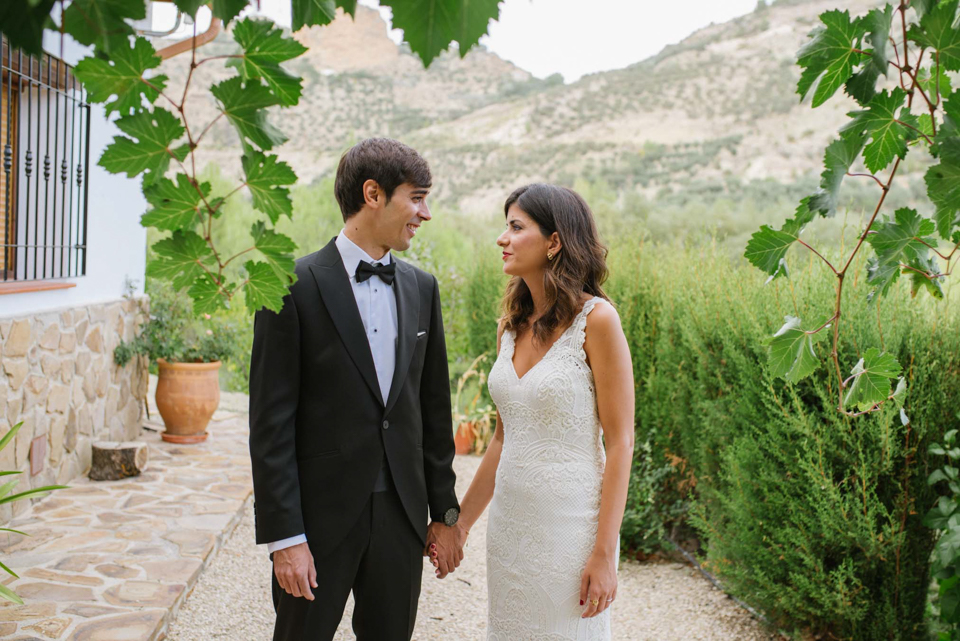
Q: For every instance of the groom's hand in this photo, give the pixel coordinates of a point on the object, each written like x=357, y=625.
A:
x=445, y=547
x=295, y=570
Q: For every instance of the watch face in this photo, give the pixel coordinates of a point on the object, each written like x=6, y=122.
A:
x=450, y=517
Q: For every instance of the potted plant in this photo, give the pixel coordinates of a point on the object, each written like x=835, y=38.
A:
x=188, y=350
x=474, y=426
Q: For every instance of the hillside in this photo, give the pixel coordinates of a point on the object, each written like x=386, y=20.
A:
x=712, y=112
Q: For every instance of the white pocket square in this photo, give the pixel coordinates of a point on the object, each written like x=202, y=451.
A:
x=419, y=334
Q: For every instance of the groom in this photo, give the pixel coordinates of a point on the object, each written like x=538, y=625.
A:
x=350, y=425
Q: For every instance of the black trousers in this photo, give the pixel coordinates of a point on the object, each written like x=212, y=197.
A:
x=381, y=561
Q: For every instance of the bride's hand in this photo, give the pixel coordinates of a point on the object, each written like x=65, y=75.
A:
x=598, y=584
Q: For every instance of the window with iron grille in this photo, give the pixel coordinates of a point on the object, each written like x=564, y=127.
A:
x=45, y=138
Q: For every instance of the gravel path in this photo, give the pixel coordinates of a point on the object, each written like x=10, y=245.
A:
x=656, y=602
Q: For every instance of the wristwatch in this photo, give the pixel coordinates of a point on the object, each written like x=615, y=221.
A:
x=451, y=516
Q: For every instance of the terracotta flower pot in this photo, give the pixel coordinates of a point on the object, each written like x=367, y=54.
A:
x=187, y=396
x=464, y=438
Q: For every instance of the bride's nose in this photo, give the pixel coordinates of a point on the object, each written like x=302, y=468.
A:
x=501, y=240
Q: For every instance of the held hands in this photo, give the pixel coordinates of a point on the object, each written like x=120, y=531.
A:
x=295, y=570
x=445, y=547
x=598, y=584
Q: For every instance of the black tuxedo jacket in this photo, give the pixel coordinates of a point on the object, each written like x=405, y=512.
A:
x=319, y=428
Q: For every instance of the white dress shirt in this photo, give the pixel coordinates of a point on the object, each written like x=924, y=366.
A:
x=377, y=303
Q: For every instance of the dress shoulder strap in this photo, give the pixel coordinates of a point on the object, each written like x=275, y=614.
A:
x=579, y=327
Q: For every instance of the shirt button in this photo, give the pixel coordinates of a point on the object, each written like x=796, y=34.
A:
x=375, y=331
x=386, y=424
x=375, y=291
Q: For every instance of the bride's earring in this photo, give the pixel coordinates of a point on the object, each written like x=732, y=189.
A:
x=549, y=255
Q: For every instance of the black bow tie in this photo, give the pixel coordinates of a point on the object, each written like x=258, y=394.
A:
x=386, y=272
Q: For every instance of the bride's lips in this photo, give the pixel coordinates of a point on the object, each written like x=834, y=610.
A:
x=505, y=254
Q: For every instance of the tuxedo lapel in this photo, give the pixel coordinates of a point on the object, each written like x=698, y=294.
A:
x=337, y=295
x=408, y=320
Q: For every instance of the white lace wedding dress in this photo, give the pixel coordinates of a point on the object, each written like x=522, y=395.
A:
x=543, y=517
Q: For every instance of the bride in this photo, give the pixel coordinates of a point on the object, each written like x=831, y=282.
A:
x=562, y=379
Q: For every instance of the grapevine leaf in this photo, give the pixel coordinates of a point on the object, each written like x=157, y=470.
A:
x=148, y=149
x=207, y=296
x=265, y=175
x=277, y=248
x=103, y=22
x=189, y=7
x=227, y=10
x=943, y=186
x=23, y=24
x=829, y=56
x=882, y=275
x=122, y=76
x=791, y=352
x=903, y=237
x=429, y=26
x=935, y=85
x=937, y=30
x=889, y=135
x=181, y=258
x=768, y=247
x=862, y=85
x=264, y=48
x=245, y=108
x=871, y=379
x=922, y=7
x=900, y=392
x=930, y=279
x=837, y=159
x=306, y=13
x=175, y=205
x=349, y=7
x=263, y=287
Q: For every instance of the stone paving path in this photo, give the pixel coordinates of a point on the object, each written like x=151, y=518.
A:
x=114, y=560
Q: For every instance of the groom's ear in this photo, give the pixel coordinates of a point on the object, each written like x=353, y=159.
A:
x=372, y=194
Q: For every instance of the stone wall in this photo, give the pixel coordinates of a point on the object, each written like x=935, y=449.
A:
x=58, y=377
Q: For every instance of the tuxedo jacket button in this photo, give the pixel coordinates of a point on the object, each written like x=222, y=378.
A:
x=386, y=424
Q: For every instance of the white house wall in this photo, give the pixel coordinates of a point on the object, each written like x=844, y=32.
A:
x=116, y=243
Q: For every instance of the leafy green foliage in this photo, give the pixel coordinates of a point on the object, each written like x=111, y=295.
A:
x=871, y=377
x=943, y=186
x=262, y=287
x=244, y=105
x=938, y=30
x=265, y=177
x=264, y=48
x=22, y=23
x=277, y=249
x=945, y=517
x=183, y=257
x=768, y=247
x=175, y=205
x=905, y=238
x=837, y=160
x=103, y=22
x=121, y=76
x=862, y=85
x=429, y=26
x=150, y=148
x=829, y=56
x=792, y=356
x=889, y=132
x=227, y=10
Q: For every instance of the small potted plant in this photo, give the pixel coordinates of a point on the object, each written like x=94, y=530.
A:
x=187, y=350
x=474, y=426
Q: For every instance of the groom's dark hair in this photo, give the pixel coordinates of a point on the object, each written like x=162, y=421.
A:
x=389, y=162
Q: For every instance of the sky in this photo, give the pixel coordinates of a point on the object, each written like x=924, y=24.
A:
x=564, y=36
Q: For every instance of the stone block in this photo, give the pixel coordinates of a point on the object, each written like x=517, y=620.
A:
x=81, y=330
x=113, y=395
x=41, y=422
x=103, y=383
x=5, y=326
x=84, y=452
x=8, y=458
x=58, y=429
x=117, y=431
x=94, y=340
x=59, y=399
x=83, y=362
x=90, y=385
x=22, y=445
x=50, y=338
x=69, y=470
x=19, y=339
x=77, y=397
x=73, y=427
x=68, y=342
x=16, y=370
x=3, y=398
x=144, y=624
x=66, y=317
x=53, y=591
x=14, y=409
x=31, y=400
x=130, y=414
x=50, y=365
x=36, y=384
x=85, y=421
x=68, y=368
x=99, y=415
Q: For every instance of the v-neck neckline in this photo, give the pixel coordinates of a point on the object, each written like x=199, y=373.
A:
x=542, y=358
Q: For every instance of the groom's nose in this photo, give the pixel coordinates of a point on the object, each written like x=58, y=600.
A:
x=424, y=212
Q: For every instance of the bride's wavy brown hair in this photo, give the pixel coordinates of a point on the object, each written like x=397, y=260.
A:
x=580, y=266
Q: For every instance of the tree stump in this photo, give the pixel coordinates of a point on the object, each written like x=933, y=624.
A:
x=114, y=460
